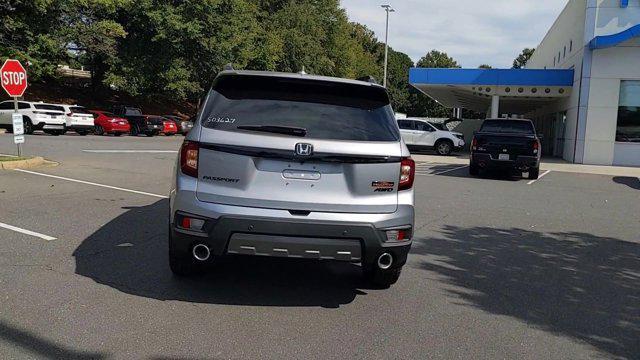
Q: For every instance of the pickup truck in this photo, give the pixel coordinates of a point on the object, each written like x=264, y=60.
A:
x=506, y=144
x=140, y=124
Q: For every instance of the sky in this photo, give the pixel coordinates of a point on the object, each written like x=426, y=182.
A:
x=473, y=32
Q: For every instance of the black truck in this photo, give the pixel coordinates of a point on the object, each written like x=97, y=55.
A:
x=508, y=144
x=140, y=124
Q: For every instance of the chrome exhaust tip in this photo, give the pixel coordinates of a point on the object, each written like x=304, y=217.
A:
x=201, y=252
x=385, y=261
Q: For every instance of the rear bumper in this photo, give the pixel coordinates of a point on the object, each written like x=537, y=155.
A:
x=153, y=128
x=521, y=162
x=113, y=128
x=80, y=127
x=270, y=232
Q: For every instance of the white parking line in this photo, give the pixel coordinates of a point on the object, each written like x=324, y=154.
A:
x=92, y=183
x=450, y=170
x=27, y=232
x=132, y=151
x=539, y=177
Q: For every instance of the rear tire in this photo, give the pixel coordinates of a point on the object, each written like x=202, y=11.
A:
x=82, y=132
x=474, y=170
x=134, y=130
x=181, y=264
x=99, y=130
x=382, y=279
x=534, y=173
x=28, y=126
x=444, y=147
x=117, y=133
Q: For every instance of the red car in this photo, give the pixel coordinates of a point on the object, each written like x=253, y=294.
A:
x=170, y=127
x=108, y=123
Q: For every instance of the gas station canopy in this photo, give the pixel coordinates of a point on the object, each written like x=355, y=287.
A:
x=514, y=91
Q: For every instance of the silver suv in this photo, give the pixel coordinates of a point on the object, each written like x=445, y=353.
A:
x=293, y=165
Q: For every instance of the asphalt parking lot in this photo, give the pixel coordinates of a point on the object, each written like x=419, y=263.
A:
x=500, y=268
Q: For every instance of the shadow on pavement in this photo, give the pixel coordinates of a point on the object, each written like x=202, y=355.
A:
x=130, y=254
x=572, y=284
x=41, y=347
x=460, y=171
x=631, y=182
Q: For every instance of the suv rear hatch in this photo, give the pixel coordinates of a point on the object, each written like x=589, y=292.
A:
x=299, y=144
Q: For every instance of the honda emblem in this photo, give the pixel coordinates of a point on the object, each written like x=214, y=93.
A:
x=304, y=149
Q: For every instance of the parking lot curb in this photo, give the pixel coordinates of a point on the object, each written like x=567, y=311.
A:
x=23, y=164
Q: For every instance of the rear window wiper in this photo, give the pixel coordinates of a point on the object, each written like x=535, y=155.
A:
x=285, y=130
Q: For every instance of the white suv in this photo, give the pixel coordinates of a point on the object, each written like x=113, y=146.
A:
x=78, y=119
x=36, y=116
x=421, y=134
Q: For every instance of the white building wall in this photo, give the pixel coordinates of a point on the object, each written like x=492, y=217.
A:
x=592, y=108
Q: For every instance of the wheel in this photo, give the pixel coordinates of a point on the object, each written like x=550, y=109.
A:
x=53, y=132
x=473, y=169
x=117, y=133
x=99, y=130
x=28, y=126
x=149, y=133
x=443, y=147
x=169, y=134
x=382, y=278
x=534, y=173
x=82, y=132
x=134, y=130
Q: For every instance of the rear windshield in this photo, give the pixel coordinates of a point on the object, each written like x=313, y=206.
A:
x=439, y=126
x=508, y=126
x=48, y=107
x=327, y=110
x=79, y=110
x=132, y=112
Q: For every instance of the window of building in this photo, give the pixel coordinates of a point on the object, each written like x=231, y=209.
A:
x=554, y=61
x=564, y=55
x=571, y=46
x=558, y=57
x=628, y=129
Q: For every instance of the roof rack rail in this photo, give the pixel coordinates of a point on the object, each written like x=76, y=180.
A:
x=368, y=78
x=229, y=66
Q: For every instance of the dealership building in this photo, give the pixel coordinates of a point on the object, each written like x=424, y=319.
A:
x=581, y=87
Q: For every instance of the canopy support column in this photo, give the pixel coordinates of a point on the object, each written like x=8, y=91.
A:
x=495, y=106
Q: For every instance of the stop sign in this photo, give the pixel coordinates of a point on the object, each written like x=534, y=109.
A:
x=13, y=77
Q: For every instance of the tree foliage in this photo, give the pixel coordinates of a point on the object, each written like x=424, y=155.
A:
x=522, y=59
x=175, y=48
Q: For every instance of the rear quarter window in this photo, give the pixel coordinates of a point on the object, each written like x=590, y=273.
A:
x=327, y=110
x=48, y=107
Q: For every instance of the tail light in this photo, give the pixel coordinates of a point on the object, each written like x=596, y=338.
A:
x=407, y=173
x=189, y=158
x=536, y=146
x=474, y=144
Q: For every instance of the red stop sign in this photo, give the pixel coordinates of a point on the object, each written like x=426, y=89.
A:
x=13, y=77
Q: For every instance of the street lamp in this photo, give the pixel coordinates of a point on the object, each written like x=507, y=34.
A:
x=388, y=9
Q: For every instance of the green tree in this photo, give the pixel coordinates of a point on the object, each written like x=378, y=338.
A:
x=421, y=104
x=522, y=59
x=485, y=66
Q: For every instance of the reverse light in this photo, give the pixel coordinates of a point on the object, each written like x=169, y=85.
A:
x=407, y=173
x=189, y=158
x=398, y=235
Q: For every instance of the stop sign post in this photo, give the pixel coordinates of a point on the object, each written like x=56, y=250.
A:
x=13, y=77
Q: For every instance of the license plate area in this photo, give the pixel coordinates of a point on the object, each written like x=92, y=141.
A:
x=503, y=157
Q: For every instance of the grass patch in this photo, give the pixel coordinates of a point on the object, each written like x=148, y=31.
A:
x=13, y=158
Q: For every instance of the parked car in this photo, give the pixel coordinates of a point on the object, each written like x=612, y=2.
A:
x=78, y=119
x=138, y=122
x=35, y=116
x=421, y=134
x=170, y=127
x=184, y=126
x=507, y=144
x=109, y=123
x=297, y=166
